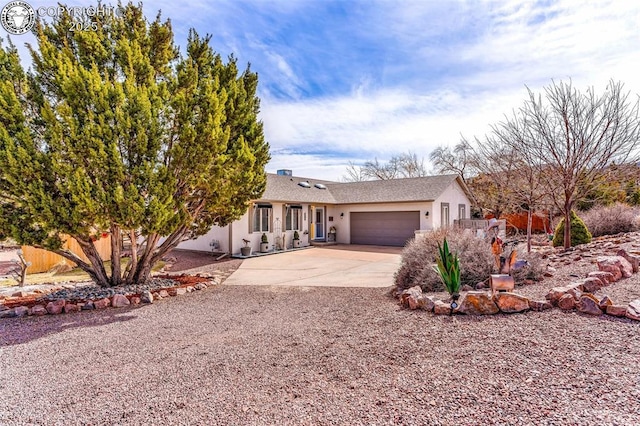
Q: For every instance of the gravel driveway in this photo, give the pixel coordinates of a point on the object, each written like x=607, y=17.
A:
x=278, y=355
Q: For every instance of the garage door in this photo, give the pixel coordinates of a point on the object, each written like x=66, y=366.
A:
x=383, y=228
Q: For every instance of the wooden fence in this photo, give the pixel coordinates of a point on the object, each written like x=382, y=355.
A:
x=43, y=260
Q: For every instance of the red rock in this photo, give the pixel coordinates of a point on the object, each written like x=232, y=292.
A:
x=71, y=307
x=566, y=302
x=102, y=303
x=441, y=308
x=604, y=302
x=55, y=307
x=617, y=310
x=605, y=278
x=21, y=311
x=135, y=300
x=539, y=305
x=617, y=265
x=511, y=303
x=633, y=260
x=478, y=303
x=592, y=284
x=575, y=292
x=119, y=301
x=589, y=304
x=413, y=298
x=633, y=310
x=38, y=310
x=555, y=294
x=172, y=291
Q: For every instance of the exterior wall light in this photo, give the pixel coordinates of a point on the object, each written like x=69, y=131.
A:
x=426, y=214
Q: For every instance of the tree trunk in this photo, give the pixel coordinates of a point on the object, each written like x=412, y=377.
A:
x=116, y=269
x=529, y=224
x=567, y=224
x=95, y=267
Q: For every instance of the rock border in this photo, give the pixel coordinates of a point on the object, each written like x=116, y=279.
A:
x=35, y=303
x=579, y=295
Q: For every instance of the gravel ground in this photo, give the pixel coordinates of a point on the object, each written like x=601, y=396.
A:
x=263, y=356
x=276, y=355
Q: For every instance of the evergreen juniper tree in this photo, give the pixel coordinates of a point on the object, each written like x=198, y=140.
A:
x=114, y=131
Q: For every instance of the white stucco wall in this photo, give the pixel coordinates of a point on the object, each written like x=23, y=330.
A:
x=202, y=243
x=454, y=195
x=242, y=230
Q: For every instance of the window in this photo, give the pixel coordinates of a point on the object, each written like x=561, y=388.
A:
x=462, y=211
x=293, y=218
x=444, y=215
x=262, y=218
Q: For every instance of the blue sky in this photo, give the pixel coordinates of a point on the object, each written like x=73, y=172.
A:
x=355, y=80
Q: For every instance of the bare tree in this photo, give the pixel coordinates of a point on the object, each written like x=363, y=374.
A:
x=405, y=165
x=461, y=160
x=572, y=138
x=354, y=173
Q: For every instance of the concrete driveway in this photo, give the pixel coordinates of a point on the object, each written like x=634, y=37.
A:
x=333, y=266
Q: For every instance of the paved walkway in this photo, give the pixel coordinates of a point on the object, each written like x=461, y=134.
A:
x=333, y=266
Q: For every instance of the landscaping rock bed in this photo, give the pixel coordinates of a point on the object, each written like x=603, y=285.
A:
x=77, y=297
x=582, y=294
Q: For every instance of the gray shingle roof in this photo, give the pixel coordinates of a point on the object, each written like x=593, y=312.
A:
x=426, y=188
x=286, y=189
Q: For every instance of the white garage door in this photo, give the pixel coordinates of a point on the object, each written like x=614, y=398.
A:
x=383, y=228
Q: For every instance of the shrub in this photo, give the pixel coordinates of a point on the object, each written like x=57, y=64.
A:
x=610, y=220
x=419, y=256
x=579, y=232
x=535, y=269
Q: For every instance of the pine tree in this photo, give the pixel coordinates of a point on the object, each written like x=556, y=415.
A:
x=113, y=131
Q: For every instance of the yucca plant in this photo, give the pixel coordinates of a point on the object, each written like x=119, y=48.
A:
x=448, y=267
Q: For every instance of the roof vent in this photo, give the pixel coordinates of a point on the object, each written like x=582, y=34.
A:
x=304, y=184
x=320, y=186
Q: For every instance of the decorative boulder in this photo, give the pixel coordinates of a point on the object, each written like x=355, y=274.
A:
x=592, y=284
x=555, y=294
x=55, y=307
x=589, y=304
x=412, y=298
x=71, y=307
x=539, y=305
x=146, y=297
x=604, y=302
x=478, y=303
x=617, y=310
x=510, y=303
x=119, y=301
x=21, y=311
x=605, y=278
x=441, y=308
x=633, y=310
x=38, y=310
x=633, y=260
x=102, y=303
x=566, y=302
x=617, y=265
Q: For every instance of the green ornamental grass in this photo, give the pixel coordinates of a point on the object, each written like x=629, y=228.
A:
x=448, y=267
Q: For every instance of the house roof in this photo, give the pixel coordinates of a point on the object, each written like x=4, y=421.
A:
x=428, y=188
x=286, y=188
